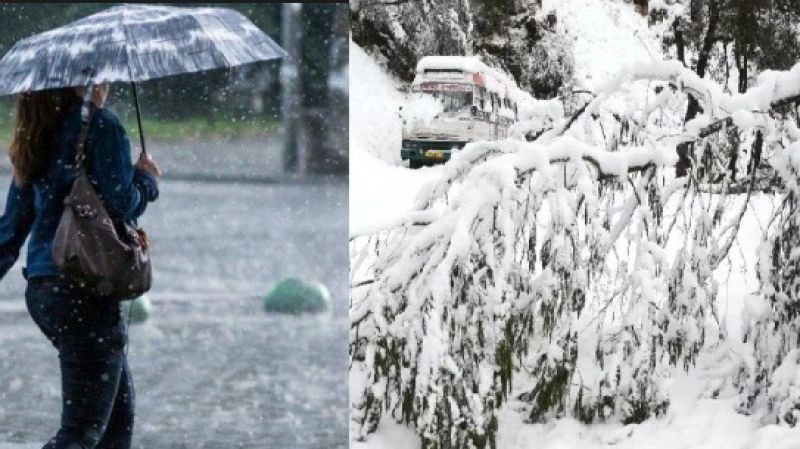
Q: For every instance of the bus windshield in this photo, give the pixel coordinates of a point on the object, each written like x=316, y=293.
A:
x=454, y=97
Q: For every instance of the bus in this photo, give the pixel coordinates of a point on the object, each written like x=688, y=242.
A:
x=476, y=103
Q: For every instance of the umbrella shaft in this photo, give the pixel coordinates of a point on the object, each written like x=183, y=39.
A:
x=138, y=116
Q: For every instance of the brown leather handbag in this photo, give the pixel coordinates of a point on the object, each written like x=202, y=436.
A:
x=109, y=257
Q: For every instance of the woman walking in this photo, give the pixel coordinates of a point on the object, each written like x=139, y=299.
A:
x=88, y=331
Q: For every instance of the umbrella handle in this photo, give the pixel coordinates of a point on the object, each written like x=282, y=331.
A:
x=138, y=116
x=88, y=87
x=86, y=117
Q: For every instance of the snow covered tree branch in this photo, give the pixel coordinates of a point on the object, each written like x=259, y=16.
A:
x=569, y=273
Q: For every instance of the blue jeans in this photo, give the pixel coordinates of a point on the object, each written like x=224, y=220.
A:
x=96, y=385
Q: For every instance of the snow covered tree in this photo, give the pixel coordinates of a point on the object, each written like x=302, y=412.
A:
x=769, y=381
x=571, y=272
x=731, y=40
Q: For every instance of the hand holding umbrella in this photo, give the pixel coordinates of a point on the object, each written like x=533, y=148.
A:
x=146, y=163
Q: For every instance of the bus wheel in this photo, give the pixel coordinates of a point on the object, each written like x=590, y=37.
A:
x=414, y=164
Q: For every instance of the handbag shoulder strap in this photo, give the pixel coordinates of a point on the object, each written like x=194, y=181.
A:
x=87, y=112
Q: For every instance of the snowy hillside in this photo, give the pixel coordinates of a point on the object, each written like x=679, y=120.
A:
x=381, y=188
x=374, y=99
x=606, y=37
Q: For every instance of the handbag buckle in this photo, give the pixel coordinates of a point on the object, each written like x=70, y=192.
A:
x=85, y=211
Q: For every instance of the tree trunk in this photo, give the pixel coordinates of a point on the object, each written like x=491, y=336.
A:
x=741, y=67
x=755, y=158
x=641, y=6
x=679, y=44
x=705, y=52
x=744, y=41
x=290, y=99
x=317, y=23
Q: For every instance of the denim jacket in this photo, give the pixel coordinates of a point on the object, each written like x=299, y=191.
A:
x=35, y=208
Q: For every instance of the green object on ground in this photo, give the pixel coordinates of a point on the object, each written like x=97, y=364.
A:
x=295, y=296
x=139, y=309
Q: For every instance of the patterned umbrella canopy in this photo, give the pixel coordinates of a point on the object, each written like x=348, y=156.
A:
x=134, y=43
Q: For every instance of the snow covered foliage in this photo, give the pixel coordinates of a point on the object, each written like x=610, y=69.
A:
x=572, y=272
x=769, y=377
x=536, y=117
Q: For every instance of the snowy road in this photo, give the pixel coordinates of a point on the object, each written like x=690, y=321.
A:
x=212, y=370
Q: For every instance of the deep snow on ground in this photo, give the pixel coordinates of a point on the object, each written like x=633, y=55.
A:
x=691, y=424
x=375, y=125
x=211, y=368
x=608, y=35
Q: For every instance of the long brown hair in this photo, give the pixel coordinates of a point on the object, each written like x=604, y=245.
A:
x=39, y=115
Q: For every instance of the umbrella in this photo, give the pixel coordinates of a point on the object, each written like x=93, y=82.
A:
x=134, y=43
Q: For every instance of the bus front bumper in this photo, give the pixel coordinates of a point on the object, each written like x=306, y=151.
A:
x=429, y=152
x=429, y=156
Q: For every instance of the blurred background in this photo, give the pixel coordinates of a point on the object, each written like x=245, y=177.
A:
x=254, y=192
x=298, y=104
